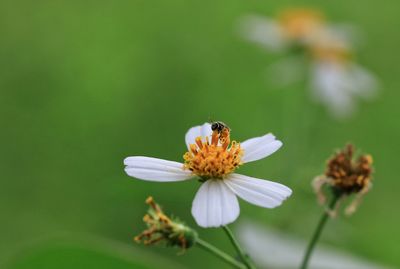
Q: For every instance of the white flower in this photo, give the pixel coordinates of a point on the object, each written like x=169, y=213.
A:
x=338, y=86
x=336, y=81
x=213, y=157
x=264, y=31
x=291, y=27
x=286, y=250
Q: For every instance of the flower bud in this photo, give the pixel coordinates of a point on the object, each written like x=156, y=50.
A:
x=163, y=229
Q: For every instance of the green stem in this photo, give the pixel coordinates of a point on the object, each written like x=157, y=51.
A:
x=244, y=257
x=317, y=233
x=219, y=253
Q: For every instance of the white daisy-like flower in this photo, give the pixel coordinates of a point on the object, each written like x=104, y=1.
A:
x=286, y=250
x=299, y=27
x=338, y=86
x=213, y=157
x=336, y=80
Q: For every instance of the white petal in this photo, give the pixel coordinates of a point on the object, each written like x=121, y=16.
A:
x=262, y=31
x=331, y=86
x=286, y=250
x=259, y=147
x=260, y=192
x=215, y=204
x=194, y=132
x=364, y=82
x=154, y=169
x=337, y=86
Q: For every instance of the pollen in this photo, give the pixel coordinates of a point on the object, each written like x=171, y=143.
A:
x=213, y=159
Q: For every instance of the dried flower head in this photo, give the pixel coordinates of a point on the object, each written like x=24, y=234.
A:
x=161, y=228
x=346, y=175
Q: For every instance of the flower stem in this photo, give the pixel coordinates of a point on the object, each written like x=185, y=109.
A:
x=220, y=254
x=317, y=233
x=243, y=256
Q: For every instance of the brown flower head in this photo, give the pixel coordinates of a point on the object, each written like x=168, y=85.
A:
x=162, y=228
x=346, y=175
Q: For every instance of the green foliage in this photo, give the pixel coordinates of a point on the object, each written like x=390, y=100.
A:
x=84, y=84
x=52, y=254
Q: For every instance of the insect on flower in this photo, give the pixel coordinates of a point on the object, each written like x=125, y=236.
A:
x=213, y=158
x=222, y=129
x=219, y=126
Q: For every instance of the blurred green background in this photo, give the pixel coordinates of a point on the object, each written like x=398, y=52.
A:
x=86, y=83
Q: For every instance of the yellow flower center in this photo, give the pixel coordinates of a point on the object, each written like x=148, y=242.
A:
x=300, y=23
x=331, y=50
x=309, y=25
x=216, y=159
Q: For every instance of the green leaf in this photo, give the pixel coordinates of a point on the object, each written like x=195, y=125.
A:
x=98, y=254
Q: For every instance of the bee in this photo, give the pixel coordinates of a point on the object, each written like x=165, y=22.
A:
x=219, y=126
x=223, y=132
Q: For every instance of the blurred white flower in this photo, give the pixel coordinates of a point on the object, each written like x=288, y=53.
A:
x=336, y=81
x=337, y=86
x=273, y=249
x=264, y=31
x=213, y=157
